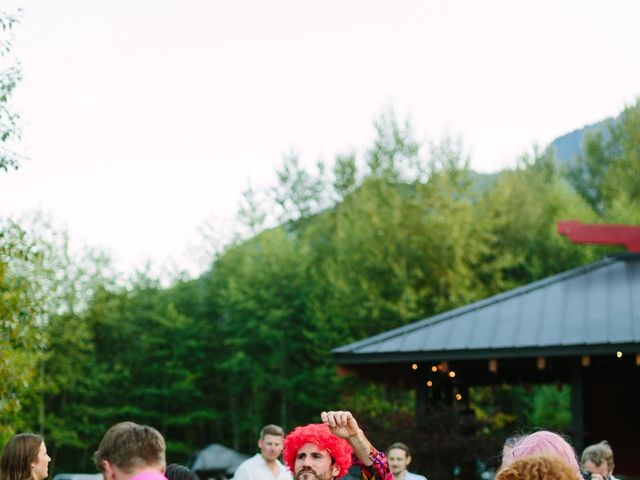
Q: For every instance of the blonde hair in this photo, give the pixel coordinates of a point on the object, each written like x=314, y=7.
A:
x=598, y=453
x=128, y=446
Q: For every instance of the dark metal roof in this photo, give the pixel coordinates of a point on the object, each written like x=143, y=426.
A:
x=587, y=310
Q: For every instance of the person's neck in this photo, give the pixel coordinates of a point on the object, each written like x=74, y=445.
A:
x=272, y=465
x=149, y=469
x=401, y=475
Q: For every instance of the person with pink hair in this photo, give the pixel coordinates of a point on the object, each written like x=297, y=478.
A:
x=325, y=451
x=542, y=442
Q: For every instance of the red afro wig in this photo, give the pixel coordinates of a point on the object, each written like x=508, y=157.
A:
x=319, y=434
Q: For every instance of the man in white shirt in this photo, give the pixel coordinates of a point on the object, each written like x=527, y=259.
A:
x=399, y=458
x=265, y=465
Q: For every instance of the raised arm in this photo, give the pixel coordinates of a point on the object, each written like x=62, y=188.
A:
x=343, y=424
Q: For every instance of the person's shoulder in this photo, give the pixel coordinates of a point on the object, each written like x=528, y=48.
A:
x=149, y=475
x=248, y=462
x=414, y=476
x=284, y=470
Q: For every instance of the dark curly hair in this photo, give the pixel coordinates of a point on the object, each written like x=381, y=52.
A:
x=320, y=435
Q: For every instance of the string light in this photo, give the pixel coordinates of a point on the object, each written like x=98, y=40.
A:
x=414, y=366
x=429, y=384
x=619, y=354
x=458, y=397
x=493, y=365
x=452, y=374
x=434, y=369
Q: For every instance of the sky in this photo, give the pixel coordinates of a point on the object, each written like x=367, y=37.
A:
x=145, y=120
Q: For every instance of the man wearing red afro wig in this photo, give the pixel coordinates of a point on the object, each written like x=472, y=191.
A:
x=325, y=451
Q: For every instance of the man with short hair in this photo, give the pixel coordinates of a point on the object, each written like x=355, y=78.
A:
x=129, y=451
x=399, y=457
x=325, y=451
x=265, y=465
x=597, y=459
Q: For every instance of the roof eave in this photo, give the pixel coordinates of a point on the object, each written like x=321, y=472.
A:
x=344, y=358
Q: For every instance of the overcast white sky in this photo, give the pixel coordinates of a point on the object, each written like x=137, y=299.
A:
x=145, y=118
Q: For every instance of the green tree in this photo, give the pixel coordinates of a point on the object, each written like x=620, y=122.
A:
x=393, y=251
x=10, y=75
x=606, y=174
x=61, y=283
x=259, y=291
x=519, y=215
x=299, y=193
x=21, y=338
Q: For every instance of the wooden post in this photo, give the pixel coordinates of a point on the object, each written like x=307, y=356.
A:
x=577, y=407
x=421, y=402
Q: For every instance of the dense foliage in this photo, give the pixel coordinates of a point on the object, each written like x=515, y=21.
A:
x=355, y=251
x=10, y=75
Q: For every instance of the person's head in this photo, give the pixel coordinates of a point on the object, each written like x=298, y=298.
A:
x=537, y=467
x=312, y=452
x=179, y=472
x=24, y=457
x=271, y=442
x=598, y=459
x=399, y=457
x=127, y=448
x=508, y=445
x=543, y=442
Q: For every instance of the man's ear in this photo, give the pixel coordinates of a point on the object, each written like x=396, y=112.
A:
x=335, y=470
x=108, y=472
x=260, y=443
x=408, y=459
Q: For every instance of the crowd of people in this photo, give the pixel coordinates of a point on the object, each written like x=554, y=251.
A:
x=318, y=451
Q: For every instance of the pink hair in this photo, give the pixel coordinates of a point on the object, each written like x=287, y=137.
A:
x=545, y=442
x=320, y=435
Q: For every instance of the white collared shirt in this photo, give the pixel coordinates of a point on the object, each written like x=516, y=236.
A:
x=256, y=468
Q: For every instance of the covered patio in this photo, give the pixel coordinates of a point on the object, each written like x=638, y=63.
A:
x=579, y=328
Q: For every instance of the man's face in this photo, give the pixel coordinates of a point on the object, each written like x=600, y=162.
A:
x=602, y=469
x=398, y=461
x=314, y=463
x=271, y=447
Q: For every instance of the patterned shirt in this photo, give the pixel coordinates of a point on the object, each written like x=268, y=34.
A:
x=379, y=470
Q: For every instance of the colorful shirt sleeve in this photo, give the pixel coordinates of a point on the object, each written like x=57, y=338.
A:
x=379, y=470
